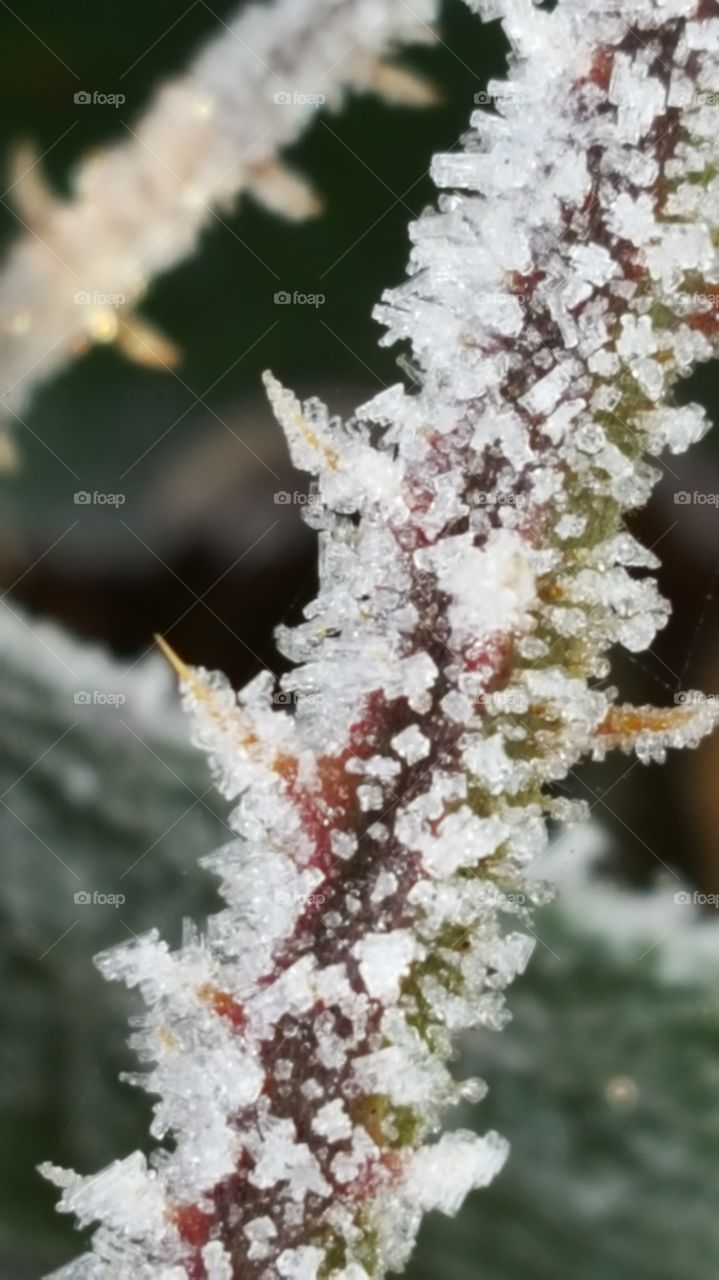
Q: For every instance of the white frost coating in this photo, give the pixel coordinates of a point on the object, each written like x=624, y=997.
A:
x=385, y=885
x=332, y=1121
x=441, y=1176
x=491, y=588
x=260, y=1232
x=462, y=839
x=280, y=1158
x=130, y=1197
x=300, y=1264
x=384, y=960
x=218, y=1263
x=411, y=744
x=474, y=574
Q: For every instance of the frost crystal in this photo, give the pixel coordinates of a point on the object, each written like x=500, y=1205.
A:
x=474, y=574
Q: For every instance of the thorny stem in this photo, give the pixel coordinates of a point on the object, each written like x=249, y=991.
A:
x=475, y=572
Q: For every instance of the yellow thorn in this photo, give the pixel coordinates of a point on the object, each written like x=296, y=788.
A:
x=283, y=191
x=141, y=342
x=187, y=676
x=32, y=196
x=629, y=722
x=180, y=668
x=9, y=459
x=288, y=411
x=401, y=87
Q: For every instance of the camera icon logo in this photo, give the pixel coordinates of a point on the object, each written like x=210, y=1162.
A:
x=283, y=298
x=82, y=897
x=681, y=698
x=283, y=98
x=682, y=498
x=82, y=698
x=83, y=97
x=683, y=898
x=82, y=498
x=282, y=698
x=483, y=99
x=282, y=498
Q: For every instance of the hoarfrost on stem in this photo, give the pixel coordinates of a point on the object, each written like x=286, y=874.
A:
x=474, y=574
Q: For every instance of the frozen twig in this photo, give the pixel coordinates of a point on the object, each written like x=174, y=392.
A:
x=475, y=573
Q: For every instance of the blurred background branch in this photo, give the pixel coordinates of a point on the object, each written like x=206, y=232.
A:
x=139, y=206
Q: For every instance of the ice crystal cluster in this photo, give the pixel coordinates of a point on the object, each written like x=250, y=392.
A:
x=140, y=205
x=475, y=572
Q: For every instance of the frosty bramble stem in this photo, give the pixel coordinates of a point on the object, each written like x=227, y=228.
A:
x=475, y=572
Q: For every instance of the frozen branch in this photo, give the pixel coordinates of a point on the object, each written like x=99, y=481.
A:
x=475, y=574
